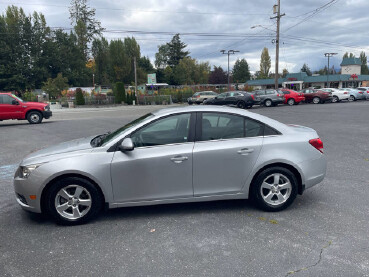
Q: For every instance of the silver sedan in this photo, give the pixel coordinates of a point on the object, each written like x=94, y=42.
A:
x=174, y=155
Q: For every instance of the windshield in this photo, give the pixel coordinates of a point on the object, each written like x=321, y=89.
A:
x=16, y=97
x=117, y=132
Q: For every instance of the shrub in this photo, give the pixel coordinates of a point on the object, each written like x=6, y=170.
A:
x=120, y=93
x=80, y=100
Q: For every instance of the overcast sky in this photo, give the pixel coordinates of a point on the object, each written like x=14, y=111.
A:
x=341, y=27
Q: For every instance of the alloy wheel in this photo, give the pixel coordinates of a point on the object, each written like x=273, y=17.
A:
x=291, y=102
x=35, y=117
x=276, y=189
x=73, y=202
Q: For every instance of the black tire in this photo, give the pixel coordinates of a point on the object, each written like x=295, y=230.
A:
x=352, y=98
x=316, y=100
x=53, y=196
x=34, y=117
x=257, y=191
x=268, y=103
x=190, y=103
x=335, y=99
x=291, y=102
x=241, y=105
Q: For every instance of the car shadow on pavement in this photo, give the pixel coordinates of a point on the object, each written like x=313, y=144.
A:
x=180, y=209
x=24, y=124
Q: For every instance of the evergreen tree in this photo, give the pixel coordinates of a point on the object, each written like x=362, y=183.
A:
x=218, y=76
x=241, y=72
x=176, y=51
x=306, y=68
x=120, y=93
x=364, y=63
x=284, y=72
x=80, y=100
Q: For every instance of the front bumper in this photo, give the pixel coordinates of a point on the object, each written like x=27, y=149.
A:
x=47, y=114
x=24, y=188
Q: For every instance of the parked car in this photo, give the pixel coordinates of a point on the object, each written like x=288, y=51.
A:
x=240, y=99
x=268, y=97
x=292, y=97
x=365, y=91
x=316, y=96
x=338, y=95
x=13, y=107
x=200, y=96
x=355, y=94
x=161, y=158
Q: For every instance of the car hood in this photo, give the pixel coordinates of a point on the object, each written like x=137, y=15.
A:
x=34, y=104
x=65, y=147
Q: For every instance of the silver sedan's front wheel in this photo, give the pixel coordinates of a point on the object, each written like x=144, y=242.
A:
x=274, y=189
x=73, y=200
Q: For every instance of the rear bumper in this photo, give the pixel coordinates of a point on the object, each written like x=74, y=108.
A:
x=47, y=114
x=314, y=171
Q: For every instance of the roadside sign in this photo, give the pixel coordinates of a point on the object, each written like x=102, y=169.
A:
x=151, y=78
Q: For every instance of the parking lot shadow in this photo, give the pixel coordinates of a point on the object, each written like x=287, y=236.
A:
x=25, y=123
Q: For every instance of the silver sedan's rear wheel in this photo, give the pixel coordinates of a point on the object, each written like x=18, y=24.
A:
x=73, y=200
x=268, y=103
x=335, y=99
x=274, y=189
x=352, y=98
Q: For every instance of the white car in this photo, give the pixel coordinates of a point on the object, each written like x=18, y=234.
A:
x=365, y=90
x=338, y=95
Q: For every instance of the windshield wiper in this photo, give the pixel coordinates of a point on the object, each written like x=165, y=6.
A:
x=97, y=141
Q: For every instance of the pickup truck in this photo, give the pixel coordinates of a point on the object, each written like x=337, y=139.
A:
x=12, y=107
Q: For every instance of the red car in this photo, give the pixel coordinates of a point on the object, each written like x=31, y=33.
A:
x=292, y=97
x=12, y=107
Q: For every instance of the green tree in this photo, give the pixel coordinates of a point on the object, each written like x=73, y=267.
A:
x=241, y=71
x=348, y=55
x=161, y=57
x=176, y=51
x=306, y=68
x=364, y=63
x=265, y=63
x=55, y=86
x=284, y=72
x=120, y=65
x=100, y=52
x=86, y=26
x=80, y=100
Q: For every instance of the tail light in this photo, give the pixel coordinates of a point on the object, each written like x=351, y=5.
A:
x=345, y=92
x=252, y=96
x=317, y=144
x=279, y=95
x=197, y=96
x=360, y=92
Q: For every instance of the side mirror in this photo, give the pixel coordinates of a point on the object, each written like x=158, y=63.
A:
x=126, y=145
x=15, y=102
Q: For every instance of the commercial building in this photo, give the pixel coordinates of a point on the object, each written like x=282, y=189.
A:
x=350, y=77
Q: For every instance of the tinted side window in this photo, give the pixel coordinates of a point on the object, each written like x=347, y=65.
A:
x=269, y=131
x=270, y=92
x=253, y=128
x=222, y=126
x=172, y=129
x=285, y=92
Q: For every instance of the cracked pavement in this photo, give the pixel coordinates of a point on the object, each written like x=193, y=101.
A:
x=324, y=233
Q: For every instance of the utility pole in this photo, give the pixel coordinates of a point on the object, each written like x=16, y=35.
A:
x=134, y=63
x=328, y=55
x=277, y=10
x=228, y=53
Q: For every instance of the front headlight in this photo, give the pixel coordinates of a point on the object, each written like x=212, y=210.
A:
x=47, y=108
x=25, y=171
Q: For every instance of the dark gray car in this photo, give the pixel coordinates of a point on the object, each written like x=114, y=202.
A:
x=268, y=97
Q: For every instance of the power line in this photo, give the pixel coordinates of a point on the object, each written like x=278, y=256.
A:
x=314, y=12
x=138, y=10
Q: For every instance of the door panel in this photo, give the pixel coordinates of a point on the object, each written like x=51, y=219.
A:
x=152, y=173
x=8, y=110
x=223, y=166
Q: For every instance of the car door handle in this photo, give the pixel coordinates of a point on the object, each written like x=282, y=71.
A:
x=179, y=159
x=245, y=151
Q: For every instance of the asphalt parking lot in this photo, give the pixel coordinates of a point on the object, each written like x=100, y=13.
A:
x=324, y=233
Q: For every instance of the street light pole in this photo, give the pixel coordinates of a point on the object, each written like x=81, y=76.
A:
x=229, y=52
x=328, y=55
x=278, y=17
